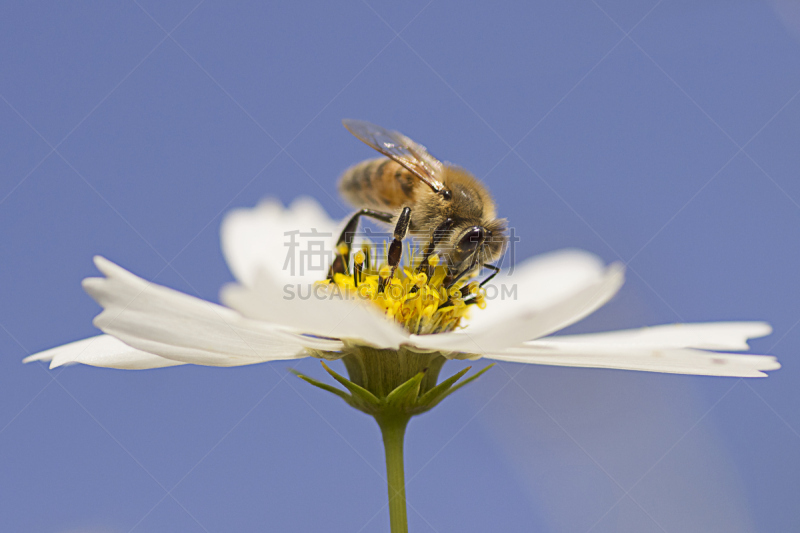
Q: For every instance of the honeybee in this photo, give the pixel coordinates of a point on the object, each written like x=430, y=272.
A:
x=443, y=204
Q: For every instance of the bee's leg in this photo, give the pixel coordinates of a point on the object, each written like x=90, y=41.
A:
x=472, y=265
x=495, y=269
x=339, y=264
x=396, y=248
x=439, y=233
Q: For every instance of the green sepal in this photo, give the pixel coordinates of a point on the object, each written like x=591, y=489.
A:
x=324, y=386
x=405, y=395
x=470, y=379
x=357, y=391
x=435, y=401
x=442, y=387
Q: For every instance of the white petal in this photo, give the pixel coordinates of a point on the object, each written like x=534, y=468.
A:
x=313, y=309
x=706, y=336
x=177, y=326
x=102, y=350
x=668, y=360
x=260, y=239
x=541, y=282
x=529, y=321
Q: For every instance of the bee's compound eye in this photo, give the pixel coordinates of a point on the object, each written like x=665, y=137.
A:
x=447, y=194
x=470, y=241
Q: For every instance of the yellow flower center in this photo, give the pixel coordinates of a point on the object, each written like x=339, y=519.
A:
x=419, y=303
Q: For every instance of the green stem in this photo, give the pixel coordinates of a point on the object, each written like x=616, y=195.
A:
x=393, y=428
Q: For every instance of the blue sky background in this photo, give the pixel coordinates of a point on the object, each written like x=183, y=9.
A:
x=662, y=134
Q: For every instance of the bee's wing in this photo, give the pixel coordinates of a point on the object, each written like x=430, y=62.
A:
x=397, y=146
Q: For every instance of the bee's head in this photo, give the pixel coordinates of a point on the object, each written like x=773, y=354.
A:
x=478, y=244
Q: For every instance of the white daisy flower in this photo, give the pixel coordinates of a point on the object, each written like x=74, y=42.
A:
x=271, y=314
x=393, y=342
x=277, y=309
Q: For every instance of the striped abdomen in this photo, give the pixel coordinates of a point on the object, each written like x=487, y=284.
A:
x=380, y=184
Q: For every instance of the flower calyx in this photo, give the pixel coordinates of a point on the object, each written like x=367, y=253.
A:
x=392, y=383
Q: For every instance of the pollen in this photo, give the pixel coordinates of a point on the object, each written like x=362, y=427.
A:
x=416, y=298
